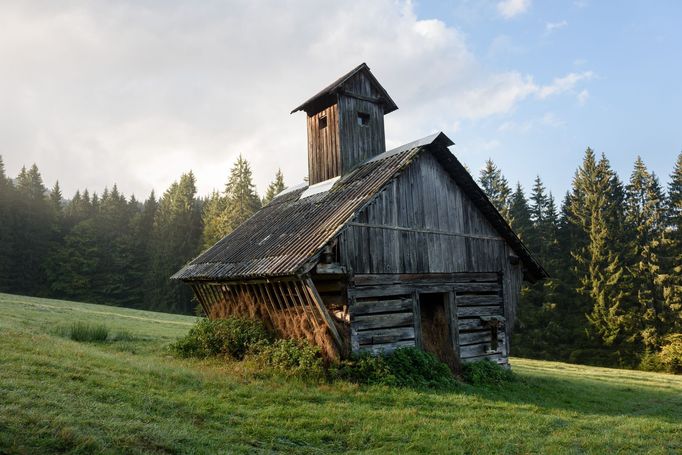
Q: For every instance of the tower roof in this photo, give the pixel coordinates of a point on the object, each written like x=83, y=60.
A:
x=327, y=96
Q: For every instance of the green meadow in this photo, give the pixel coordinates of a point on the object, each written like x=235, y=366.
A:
x=129, y=395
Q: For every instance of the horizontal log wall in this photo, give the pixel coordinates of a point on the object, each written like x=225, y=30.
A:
x=380, y=324
x=384, y=312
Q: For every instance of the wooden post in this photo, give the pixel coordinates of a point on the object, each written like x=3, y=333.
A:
x=317, y=300
x=454, y=323
x=416, y=316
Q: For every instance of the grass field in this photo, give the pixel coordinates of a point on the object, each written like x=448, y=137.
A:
x=131, y=396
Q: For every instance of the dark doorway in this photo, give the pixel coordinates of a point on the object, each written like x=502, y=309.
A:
x=435, y=327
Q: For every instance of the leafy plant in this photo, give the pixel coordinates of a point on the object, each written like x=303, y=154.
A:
x=404, y=367
x=232, y=337
x=486, y=372
x=292, y=358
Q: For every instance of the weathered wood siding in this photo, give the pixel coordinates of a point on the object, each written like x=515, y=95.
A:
x=422, y=223
x=360, y=142
x=324, y=157
x=344, y=143
x=390, y=303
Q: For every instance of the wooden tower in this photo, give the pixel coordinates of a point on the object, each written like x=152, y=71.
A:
x=346, y=124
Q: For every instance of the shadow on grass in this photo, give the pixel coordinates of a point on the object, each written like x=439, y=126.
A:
x=582, y=395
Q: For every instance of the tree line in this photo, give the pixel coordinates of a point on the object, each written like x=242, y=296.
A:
x=613, y=250
x=614, y=253
x=113, y=249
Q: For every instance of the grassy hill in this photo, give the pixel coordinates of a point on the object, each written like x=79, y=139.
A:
x=131, y=396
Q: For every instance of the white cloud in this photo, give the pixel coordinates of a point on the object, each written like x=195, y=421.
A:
x=549, y=119
x=553, y=26
x=563, y=84
x=583, y=96
x=512, y=8
x=137, y=92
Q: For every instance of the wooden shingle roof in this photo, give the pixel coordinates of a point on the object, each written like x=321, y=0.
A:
x=284, y=237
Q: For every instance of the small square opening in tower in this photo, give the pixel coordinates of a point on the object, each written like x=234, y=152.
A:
x=363, y=119
x=322, y=122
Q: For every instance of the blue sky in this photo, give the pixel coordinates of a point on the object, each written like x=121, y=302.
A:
x=136, y=92
x=631, y=103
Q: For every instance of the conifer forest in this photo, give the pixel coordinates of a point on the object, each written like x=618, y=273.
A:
x=612, y=246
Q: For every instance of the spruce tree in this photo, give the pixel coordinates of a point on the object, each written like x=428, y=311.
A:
x=175, y=240
x=274, y=188
x=6, y=228
x=212, y=215
x=672, y=264
x=33, y=230
x=495, y=187
x=242, y=200
x=595, y=210
x=644, y=217
x=519, y=214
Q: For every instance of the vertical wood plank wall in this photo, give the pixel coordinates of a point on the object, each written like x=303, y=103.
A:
x=344, y=143
x=422, y=223
x=324, y=157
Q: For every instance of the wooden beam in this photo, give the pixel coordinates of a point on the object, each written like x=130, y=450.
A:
x=317, y=300
x=425, y=231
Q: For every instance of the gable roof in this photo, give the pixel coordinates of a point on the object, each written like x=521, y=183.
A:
x=327, y=96
x=283, y=237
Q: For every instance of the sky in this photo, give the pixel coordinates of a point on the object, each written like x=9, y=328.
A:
x=138, y=92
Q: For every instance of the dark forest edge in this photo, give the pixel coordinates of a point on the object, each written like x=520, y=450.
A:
x=613, y=250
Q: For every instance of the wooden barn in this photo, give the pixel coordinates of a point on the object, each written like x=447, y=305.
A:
x=380, y=250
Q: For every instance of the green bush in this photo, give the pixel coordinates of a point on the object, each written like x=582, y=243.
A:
x=670, y=355
x=404, y=367
x=85, y=332
x=366, y=369
x=232, y=337
x=292, y=358
x=486, y=372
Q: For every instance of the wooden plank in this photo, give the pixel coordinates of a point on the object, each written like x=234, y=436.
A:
x=497, y=358
x=380, y=321
x=380, y=336
x=469, y=324
x=470, y=311
x=381, y=306
x=480, y=336
x=387, y=348
x=404, y=278
x=317, y=301
x=379, y=291
x=468, y=300
x=477, y=350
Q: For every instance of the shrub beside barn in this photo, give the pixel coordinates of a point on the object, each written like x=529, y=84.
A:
x=379, y=250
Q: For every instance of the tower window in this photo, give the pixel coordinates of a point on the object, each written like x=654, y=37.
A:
x=322, y=122
x=363, y=119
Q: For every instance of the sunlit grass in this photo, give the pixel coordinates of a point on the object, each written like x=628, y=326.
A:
x=130, y=395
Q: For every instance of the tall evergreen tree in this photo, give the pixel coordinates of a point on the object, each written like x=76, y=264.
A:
x=176, y=237
x=644, y=217
x=6, y=228
x=32, y=234
x=223, y=213
x=519, y=214
x=595, y=210
x=275, y=187
x=241, y=196
x=213, y=217
x=495, y=187
x=672, y=264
